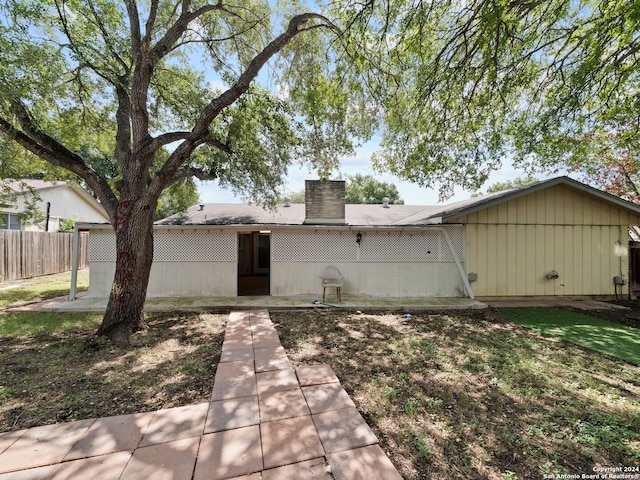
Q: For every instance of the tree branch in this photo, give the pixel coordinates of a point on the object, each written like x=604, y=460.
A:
x=44, y=146
x=200, y=133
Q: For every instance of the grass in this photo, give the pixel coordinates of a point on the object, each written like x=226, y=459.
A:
x=463, y=395
x=40, y=288
x=63, y=372
x=469, y=396
x=601, y=336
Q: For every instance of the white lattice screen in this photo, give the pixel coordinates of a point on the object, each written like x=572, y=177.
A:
x=102, y=246
x=335, y=246
x=428, y=245
x=196, y=246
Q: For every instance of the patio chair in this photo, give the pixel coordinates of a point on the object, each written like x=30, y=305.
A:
x=331, y=277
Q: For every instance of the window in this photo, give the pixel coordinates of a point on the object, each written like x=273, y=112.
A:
x=10, y=221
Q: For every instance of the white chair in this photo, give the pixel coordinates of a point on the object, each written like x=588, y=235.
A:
x=331, y=277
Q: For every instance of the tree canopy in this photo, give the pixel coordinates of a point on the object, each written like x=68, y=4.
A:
x=237, y=92
x=361, y=189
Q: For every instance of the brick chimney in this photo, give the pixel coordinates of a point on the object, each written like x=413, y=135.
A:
x=324, y=202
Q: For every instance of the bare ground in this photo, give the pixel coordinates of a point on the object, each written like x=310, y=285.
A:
x=460, y=395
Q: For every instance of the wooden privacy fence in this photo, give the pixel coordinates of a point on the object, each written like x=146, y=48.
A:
x=33, y=254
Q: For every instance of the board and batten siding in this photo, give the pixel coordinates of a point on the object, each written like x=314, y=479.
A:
x=512, y=246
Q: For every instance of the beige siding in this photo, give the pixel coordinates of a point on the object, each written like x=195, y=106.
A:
x=514, y=245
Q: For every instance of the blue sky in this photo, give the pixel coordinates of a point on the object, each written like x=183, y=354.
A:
x=413, y=194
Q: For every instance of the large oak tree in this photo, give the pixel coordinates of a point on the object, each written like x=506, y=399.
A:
x=457, y=87
x=72, y=69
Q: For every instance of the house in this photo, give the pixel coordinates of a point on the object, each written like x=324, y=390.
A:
x=551, y=238
x=54, y=200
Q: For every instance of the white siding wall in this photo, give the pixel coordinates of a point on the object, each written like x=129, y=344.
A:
x=185, y=263
x=65, y=203
x=200, y=262
x=415, y=263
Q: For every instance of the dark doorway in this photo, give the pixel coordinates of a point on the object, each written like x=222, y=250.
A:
x=254, y=263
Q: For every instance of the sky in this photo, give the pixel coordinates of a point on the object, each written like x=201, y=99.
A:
x=411, y=193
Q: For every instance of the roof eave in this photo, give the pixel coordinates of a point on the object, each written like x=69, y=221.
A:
x=543, y=185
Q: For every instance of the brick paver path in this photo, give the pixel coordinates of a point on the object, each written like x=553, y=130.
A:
x=265, y=421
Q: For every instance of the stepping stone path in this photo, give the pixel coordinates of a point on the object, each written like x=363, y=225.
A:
x=265, y=421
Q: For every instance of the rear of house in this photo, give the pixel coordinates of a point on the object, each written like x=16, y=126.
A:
x=557, y=237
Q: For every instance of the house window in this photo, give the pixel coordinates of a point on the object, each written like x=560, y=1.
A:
x=10, y=221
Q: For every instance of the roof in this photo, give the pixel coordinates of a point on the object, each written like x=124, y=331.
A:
x=25, y=185
x=447, y=213
x=377, y=215
x=246, y=214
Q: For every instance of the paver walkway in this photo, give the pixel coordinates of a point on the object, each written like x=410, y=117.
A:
x=265, y=420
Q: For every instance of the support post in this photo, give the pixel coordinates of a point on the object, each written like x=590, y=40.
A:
x=74, y=263
x=465, y=280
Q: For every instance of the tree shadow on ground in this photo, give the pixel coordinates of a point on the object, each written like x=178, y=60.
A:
x=74, y=375
x=460, y=396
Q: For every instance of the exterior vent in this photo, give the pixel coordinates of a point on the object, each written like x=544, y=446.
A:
x=385, y=202
x=287, y=202
x=324, y=202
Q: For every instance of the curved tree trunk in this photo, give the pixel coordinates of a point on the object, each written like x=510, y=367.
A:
x=134, y=244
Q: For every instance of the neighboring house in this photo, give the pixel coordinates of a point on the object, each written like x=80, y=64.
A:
x=58, y=200
x=555, y=237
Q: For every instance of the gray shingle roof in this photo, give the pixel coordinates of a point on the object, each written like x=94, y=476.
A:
x=374, y=215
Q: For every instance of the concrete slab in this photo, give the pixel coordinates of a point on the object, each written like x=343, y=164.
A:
x=367, y=463
x=175, y=424
x=103, y=467
x=39, y=473
x=228, y=454
x=233, y=380
x=324, y=398
x=350, y=302
x=343, y=429
x=234, y=388
x=166, y=461
x=9, y=438
x=291, y=440
x=44, y=445
x=276, y=381
x=237, y=354
x=111, y=434
x=279, y=405
x=315, y=375
x=236, y=369
x=315, y=469
x=232, y=413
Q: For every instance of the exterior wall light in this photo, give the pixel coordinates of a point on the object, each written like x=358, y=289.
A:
x=358, y=238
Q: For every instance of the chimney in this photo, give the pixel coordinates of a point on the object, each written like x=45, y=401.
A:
x=324, y=202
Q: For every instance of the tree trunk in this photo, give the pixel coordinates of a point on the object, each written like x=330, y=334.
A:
x=134, y=245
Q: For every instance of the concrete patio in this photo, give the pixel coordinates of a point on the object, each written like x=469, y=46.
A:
x=265, y=420
x=84, y=303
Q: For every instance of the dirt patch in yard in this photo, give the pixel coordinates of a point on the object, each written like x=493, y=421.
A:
x=466, y=395
x=52, y=378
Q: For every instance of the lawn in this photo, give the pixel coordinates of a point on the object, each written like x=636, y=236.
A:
x=41, y=288
x=460, y=395
x=468, y=396
x=592, y=333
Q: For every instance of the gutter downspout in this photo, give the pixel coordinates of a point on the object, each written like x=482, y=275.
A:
x=463, y=276
x=74, y=263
